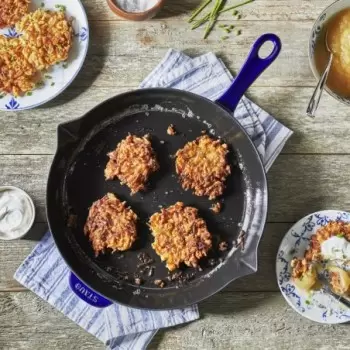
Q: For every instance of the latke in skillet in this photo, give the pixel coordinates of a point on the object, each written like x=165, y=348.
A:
x=110, y=224
x=202, y=166
x=180, y=236
x=11, y=11
x=132, y=162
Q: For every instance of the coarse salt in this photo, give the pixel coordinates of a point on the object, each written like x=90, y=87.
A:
x=136, y=5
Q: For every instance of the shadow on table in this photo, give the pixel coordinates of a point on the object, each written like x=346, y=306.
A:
x=223, y=304
x=37, y=232
x=92, y=67
x=174, y=8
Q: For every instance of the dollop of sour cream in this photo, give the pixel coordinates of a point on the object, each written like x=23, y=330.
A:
x=16, y=213
x=336, y=248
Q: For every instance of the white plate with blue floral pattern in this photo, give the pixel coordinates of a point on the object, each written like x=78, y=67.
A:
x=60, y=76
x=316, y=306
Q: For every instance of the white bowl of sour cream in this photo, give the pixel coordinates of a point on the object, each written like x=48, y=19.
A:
x=17, y=213
x=336, y=248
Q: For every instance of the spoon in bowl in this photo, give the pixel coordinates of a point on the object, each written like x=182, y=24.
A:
x=316, y=96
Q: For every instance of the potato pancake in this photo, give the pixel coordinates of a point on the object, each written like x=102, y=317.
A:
x=180, y=236
x=202, y=166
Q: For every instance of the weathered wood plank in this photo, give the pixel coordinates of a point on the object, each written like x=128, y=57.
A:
x=263, y=280
x=280, y=10
x=152, y=39
x=28, y=173
x=34, y=132
x=251, y=321
x=299, y=184
x=28, y=323
x=12, y=255
x=115, y=60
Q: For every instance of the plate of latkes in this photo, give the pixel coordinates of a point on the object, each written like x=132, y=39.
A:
x=43, y=45
x=314, y=254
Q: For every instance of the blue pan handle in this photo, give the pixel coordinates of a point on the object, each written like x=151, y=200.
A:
x=86, y=293
x=252, y=68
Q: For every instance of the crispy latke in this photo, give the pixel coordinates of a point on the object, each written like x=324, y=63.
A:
x=11, y=11
x=132, y=162
x=17, y=75
x=313, y=253
x=202, y=166
x=46, y=39
x=48, y=36
x=180, y=236
x=300, y=266
x=333, y=228
x=110, y=224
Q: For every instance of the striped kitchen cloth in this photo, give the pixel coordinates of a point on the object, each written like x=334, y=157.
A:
x=207, y=76
x=119, y=327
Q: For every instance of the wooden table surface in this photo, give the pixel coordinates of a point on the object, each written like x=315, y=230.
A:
x=310, y=174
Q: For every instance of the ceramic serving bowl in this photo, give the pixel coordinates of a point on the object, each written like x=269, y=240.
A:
x=316, y=31
x=136, y=16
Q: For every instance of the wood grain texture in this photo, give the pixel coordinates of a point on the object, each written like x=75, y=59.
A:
x=263, y=280
x=27, y=322
x=251, y=321
x=228, y=321
x=123, y=53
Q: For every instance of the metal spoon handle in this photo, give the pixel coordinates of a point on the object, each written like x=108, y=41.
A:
x=339, y=298
x=316, y=96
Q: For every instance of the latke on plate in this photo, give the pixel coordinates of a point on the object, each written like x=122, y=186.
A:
x=17, y=75
x=332, y=228
x=180, y=236
x=304, y=270
x=11, y=11
x=132, y=162
x=110, y=224
x=202, y=166
x=46, y=39
x=48, y=36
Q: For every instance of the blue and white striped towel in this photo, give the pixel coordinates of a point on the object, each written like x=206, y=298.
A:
x=207, y=76
x=44, y=271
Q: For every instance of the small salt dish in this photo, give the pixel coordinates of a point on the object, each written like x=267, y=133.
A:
x=130, y=9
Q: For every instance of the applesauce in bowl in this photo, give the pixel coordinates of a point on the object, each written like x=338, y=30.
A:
x=336, y=20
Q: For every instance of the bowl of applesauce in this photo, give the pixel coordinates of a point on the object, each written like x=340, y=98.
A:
x=336, y=20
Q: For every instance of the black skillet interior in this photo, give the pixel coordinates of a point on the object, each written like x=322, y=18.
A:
x=76, y=180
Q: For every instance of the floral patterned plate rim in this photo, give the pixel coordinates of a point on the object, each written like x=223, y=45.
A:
x=316, y=306
x=60, y=76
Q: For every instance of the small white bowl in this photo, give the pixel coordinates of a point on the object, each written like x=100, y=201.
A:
x=30, y=203
x=329, y=12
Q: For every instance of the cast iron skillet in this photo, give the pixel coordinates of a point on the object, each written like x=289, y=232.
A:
x=76, y=180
